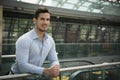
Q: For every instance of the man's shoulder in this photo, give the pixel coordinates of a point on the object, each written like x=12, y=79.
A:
x=24, y=37
x=49, y=37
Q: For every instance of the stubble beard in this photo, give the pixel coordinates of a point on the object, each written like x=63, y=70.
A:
x=41, y=30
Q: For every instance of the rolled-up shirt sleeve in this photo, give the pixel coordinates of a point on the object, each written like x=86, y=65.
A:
x=22, y=57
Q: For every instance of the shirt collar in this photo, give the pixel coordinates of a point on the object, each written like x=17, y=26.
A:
x=35, y=36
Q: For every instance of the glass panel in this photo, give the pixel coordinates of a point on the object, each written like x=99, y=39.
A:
x=67, y=5
x=73, y=2
x=93, y=0
x=113, y=74
x=54, y=3
x=106, y=3
x=30, y=1
x=84, y=50
x=96, y=11
x=83, y=8
x=87, y=4
x=47, y=2
x=104, y=7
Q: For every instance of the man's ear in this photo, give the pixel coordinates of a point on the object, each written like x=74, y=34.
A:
x=34, y=20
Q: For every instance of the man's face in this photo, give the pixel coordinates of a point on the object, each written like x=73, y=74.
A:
x=43, y=21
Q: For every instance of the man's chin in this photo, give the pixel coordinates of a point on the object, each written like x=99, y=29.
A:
x=41, y=30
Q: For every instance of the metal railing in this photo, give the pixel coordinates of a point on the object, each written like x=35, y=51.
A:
x=61, y=61
x=62, y=70
x=8, y=56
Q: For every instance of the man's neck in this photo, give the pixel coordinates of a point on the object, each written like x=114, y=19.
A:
x=40, y=34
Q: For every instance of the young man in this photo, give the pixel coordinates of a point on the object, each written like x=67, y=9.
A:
x=35, y=46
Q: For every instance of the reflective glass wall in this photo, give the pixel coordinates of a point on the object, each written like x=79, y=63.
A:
x=76, y=40
x=72, y=39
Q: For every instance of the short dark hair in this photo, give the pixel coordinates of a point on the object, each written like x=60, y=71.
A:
x=42, y=9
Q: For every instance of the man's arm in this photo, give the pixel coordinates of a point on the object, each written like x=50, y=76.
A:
x=22, y=57
x=53, y=71
x=52, y=55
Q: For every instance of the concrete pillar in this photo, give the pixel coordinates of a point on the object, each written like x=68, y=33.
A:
x=1, y=18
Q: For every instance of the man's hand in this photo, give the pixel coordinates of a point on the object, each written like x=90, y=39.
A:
x=53, y=71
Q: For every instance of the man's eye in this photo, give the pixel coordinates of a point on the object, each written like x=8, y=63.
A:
x=42, y=18
x=48, y=19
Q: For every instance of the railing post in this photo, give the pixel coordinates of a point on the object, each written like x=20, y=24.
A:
x=103, y=74
x=1, y=15
x=60, y=76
